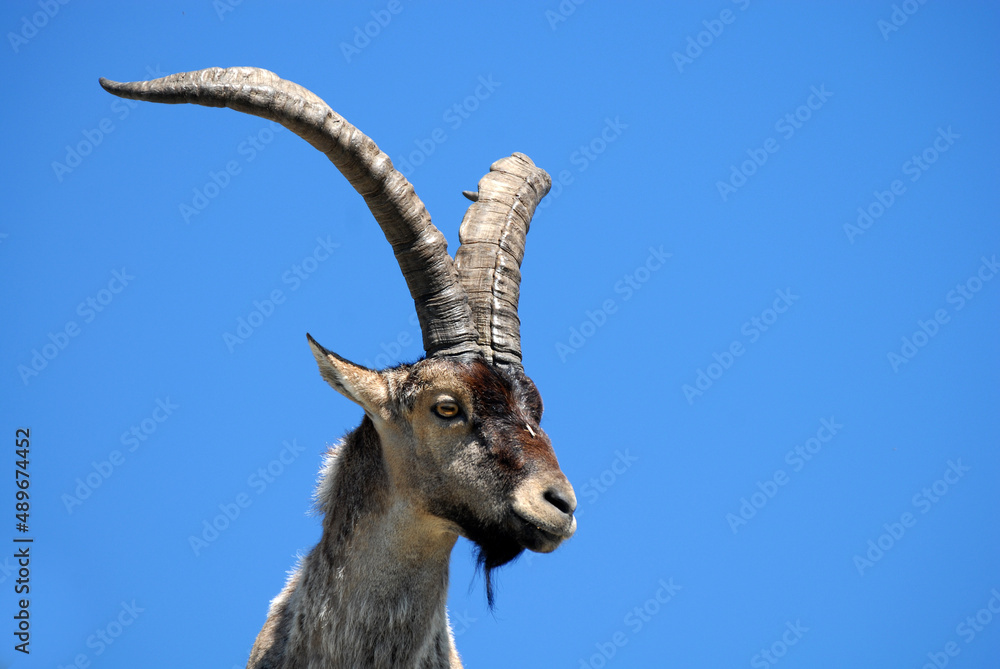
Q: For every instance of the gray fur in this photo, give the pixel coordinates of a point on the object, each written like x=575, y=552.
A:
x=350, y=603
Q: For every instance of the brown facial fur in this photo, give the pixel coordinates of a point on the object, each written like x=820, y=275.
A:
x=490, y=470
x=495, y=453
x=471, y=469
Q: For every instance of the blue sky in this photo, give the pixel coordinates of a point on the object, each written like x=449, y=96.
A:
x=760, y=303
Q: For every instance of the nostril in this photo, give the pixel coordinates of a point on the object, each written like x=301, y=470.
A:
x=558, y=500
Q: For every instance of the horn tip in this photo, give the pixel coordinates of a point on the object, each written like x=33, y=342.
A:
x=471, y=194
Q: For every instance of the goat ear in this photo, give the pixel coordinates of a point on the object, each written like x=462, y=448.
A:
x=358, y=384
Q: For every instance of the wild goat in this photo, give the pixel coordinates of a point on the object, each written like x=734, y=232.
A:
x=449, y=445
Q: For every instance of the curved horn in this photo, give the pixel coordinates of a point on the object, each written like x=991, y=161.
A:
x=420, y=248
x=492, y=246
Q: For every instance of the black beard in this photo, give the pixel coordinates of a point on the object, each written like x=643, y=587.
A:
x=496, y=545
x=491, y=554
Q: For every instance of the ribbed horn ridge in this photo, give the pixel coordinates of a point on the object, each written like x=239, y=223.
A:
x=420, y=248
x=492, y=239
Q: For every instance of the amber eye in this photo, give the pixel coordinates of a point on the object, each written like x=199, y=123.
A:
x=447, y=409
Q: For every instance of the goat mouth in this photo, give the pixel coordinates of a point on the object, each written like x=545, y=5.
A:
x=540, y=539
